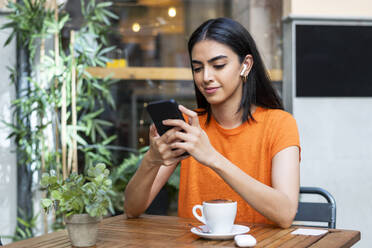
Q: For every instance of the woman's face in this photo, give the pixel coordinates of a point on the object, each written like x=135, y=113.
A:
x=216, y=70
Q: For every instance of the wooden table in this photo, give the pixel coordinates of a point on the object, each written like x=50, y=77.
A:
x=170, y=231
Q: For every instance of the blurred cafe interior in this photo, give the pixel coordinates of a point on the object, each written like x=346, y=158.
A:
x=154, y=33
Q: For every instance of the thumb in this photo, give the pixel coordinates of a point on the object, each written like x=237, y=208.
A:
x=153, y=131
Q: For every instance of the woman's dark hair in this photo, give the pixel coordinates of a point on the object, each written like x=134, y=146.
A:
x=257, y=89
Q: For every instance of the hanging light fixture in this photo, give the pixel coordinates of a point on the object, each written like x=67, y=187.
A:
x=136, y=27
x=172, y=12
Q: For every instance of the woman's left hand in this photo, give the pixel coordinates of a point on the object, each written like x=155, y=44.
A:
x=193, y=138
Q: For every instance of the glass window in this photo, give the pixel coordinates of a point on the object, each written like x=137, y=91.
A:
x=154, y=33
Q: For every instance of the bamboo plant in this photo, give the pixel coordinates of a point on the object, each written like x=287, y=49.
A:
x=58, y=105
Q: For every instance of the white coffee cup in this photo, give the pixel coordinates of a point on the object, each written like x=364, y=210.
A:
x=218, y=215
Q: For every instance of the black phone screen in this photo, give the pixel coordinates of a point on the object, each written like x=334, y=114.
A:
x=163, y=110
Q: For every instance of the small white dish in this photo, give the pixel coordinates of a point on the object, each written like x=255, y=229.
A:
x=236, y=230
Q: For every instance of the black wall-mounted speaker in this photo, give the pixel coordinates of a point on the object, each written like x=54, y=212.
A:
x=333, y=60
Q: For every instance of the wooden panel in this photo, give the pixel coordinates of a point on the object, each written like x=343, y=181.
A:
x=142, y=73
x=276, y=75
x=156, y=73
x=154, y=3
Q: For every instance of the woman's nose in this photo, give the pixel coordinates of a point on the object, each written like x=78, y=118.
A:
x=208, y=75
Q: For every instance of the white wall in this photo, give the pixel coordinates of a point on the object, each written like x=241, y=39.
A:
x=330, y=8
x=335, y=133
x=8, y=169
x=336, y=136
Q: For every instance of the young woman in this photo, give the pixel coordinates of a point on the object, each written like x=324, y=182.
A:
x=241, y=144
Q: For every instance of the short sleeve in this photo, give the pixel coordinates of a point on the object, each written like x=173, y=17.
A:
x=285, y=133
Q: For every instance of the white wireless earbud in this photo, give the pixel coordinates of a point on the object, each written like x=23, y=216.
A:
x=244, y=69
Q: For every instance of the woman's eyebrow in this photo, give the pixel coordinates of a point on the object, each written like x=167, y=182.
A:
x=210, y=60
x=196, y=62
x=217, y=58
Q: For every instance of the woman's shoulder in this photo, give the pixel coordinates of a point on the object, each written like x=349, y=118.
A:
x=276, y=117
x=275, y=113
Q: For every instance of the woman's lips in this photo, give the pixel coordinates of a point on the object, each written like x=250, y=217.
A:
x=211, y=90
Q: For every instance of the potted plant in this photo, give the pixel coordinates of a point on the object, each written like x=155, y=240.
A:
x=83, y=200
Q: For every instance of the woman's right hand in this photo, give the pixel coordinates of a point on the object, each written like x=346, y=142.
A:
x=160, y=151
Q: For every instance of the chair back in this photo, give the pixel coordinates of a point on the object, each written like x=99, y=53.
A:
x=316, y=211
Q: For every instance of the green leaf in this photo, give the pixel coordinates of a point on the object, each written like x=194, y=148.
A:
x=100, y=131
x=103, y=122
x=10, y=38
x=107, y=50
x=45, y=179
x=23, y=222
x=110, y=14
x=27, y=4
x=104, y=4
x=28, y=232
x=80, y=140
x=46, y=203
x=107, y=182
x=109, y=140
x=21, y=232
x=56, y=195
x=93, y=115
x=62, y=22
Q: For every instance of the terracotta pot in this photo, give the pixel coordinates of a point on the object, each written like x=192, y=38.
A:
x=82, y=229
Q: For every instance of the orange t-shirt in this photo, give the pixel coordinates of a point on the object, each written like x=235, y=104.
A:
x=251, y=147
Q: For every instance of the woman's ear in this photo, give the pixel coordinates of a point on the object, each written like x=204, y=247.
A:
x=247, y=65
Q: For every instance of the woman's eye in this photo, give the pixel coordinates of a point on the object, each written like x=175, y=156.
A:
x=219, y=66
x=197, y=69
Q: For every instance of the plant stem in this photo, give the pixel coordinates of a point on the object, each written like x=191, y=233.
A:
x=56, y=56
x=63, y=129
x=42, y=140
x=63, y=95
x=73, y=102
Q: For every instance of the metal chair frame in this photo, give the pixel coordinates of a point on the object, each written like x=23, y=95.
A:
x=316, y=211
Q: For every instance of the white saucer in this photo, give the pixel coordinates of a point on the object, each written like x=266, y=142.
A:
x=236, y=230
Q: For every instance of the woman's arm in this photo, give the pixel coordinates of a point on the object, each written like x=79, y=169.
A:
x=154, y=171
x=278, y=203
x=144, y=186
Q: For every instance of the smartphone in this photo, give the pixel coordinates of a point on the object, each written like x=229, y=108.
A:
x=163, y=110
